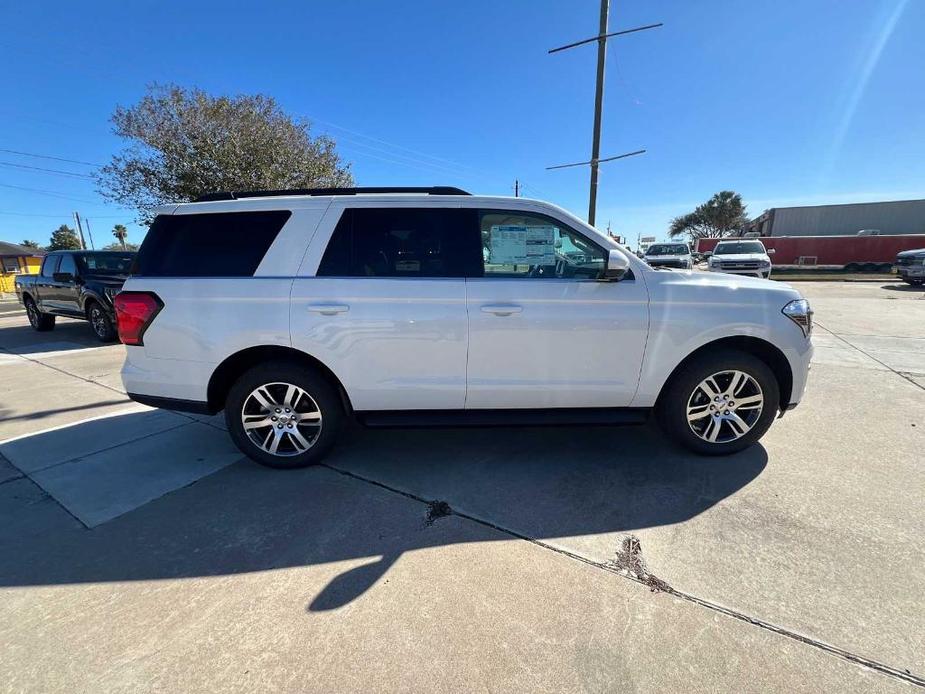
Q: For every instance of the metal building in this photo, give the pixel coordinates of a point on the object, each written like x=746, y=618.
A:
x=889, y=218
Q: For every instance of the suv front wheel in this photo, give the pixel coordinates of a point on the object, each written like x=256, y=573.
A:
x=283, y=415
x=720, y=403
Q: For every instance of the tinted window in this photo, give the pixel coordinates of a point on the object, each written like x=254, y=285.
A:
x=106, y=263
x=67, y=264
x=734, y=247
x=403, y=242
x=226, y=244
x=668, y=249
x=515, y=244
x=50, y=264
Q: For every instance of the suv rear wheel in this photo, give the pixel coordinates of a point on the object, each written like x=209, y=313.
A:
x=41, y=322
x=720, y=403
x=283, y=415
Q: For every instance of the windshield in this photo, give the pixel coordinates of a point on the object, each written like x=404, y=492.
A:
x=668, y=249
x=106, y=263
x=736, y=247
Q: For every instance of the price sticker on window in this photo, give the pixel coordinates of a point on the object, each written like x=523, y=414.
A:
x=522, y=245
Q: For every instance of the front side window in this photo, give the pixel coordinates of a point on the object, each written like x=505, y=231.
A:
x=68, y=265
x=403, y=242
x=50, y=265
x=517, y=244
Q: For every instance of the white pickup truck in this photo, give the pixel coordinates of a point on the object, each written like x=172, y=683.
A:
x=293, y=310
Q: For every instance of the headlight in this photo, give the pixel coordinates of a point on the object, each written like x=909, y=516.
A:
x=765, y=263
x=800, y=313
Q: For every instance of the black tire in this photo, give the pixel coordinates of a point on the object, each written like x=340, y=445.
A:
x=671, y=410
x=852, y=267
x=41, y=322
x=101, y=323
x=322, y=396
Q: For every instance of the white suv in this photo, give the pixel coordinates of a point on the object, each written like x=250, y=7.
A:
x=741, y=257
x=296, y=309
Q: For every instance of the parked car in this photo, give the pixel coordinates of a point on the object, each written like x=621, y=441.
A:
x=741, y=257
x=910, y=266
x=292, y=312
x=675, y=255
x=75, y=284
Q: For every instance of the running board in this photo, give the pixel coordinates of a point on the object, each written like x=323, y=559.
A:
x=604, y=416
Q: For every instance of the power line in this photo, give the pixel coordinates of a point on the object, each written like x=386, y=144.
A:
x=47, y=156
x=51, y=193
x=44, y=170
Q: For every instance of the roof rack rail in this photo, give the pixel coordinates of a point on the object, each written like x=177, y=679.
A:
x=236, y=195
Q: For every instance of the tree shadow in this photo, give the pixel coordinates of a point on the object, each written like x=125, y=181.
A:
x=368, y=502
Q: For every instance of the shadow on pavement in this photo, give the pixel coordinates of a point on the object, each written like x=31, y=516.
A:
x=903, y=287
x=68, y=334
x=541, y=483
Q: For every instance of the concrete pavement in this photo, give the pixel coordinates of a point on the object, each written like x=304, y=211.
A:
x=785, y=567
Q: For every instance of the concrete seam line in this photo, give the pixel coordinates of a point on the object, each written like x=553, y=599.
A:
x=741, y=616
x=870, y=356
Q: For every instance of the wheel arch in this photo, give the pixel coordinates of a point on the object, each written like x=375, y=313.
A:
x=236, y=364
x=756, y=346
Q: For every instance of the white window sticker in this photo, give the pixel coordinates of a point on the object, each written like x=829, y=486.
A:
x=523, y=245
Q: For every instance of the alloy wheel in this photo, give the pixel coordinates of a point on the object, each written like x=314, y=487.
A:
x=281, y=419
x=98, y=321
x=725, y=406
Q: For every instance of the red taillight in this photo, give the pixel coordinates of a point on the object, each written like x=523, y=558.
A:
x=134, y=313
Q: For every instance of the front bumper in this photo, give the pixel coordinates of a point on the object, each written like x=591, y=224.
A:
x=915, y=272
x=764, y=273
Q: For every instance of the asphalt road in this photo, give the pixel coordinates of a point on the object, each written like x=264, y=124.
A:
x=139, y=552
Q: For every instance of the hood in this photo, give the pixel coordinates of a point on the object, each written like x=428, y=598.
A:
x=696, y=286
x=911, y=254
x=671, y=256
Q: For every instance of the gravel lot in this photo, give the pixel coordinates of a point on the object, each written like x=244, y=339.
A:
x=139, y=552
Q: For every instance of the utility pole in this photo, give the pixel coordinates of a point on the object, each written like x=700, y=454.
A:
x=516, y=188
x=89, y=233
x=83, y=245
x=595, y=161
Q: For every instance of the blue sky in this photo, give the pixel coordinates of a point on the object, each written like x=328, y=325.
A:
x=804, y=102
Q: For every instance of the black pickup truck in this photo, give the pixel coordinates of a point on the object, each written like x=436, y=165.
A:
x=76, y=284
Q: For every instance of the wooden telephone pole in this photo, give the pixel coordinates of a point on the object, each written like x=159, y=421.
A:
x=601, y=39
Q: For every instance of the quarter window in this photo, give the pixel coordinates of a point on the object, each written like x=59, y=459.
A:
x=515, y=244
x=222, y=244
x=403, y=242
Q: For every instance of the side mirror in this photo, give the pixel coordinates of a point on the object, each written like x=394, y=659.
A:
x=63, y=277
x=772, y=251
x=708, y=254
x=617, y=265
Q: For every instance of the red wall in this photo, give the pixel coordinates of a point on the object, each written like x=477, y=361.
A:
x=832, y=250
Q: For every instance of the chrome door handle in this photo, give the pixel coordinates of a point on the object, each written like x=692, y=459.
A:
x=328, y=309
x=502, y=309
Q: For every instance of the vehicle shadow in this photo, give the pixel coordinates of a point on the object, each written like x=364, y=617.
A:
x=903, y=287
x=368, y=504
x=68, y=334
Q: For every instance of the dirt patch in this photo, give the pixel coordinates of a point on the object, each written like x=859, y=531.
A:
x=437, y=510
x=629, y=560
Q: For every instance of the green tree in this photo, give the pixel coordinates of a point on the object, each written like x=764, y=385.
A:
x=183, y=143
x=719, y=216
x=64, y=239
x=31, y=244
x=117, y=246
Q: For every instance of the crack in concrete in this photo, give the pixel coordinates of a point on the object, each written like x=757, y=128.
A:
x=634, y=552
x=901, y=374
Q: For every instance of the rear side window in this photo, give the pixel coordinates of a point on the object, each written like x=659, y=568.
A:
x=50, y=265
x=226, y=244
x=404, y=242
